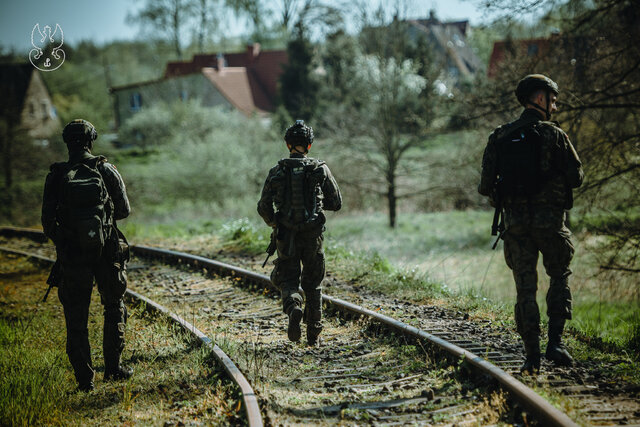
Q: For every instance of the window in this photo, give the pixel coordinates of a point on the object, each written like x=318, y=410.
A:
x=532, y=49
x=135, y=101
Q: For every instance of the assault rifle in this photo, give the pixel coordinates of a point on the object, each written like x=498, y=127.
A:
x=271, y=249
x=497, y=227
x=54, y=280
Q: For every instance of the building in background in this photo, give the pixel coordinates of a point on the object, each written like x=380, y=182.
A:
x=449, y=41
x=245, y=81
x=25, y=103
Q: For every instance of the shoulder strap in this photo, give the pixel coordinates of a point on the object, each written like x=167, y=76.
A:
x=518, y=125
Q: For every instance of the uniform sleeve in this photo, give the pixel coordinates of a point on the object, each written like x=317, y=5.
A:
x=332, y=198
x=117, y=191
x=573, y=172
x=265, y=204
x=49, y=206
x=489, y=167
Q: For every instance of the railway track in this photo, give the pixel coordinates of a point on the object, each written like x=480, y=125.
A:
x=358, y=375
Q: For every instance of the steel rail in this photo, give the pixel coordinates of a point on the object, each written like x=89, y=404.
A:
x=538, y=406
x=254, y=416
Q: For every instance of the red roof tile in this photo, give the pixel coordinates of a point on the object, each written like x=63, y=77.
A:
x=240, y=88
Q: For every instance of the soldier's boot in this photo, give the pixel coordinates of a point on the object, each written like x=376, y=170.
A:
x=532, y=356
x=313, y=336
x=313, y=316
x=295, y=317
x=556, y=351
x=113, y=370
x=86, y=387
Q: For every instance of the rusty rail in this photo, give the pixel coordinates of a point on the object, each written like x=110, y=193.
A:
x=252, y=409
x=539, y=407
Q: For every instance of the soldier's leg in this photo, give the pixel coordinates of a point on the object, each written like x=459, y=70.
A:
x=312, y=275
x=521, y=255
x=75, y=296
x=557, y=251
x=286, y=276
x=112, y=284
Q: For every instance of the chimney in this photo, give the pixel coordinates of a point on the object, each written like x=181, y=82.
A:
x=253, y=50
x=220, y=62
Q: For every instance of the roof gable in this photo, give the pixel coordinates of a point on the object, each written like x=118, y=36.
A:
x=14, y=82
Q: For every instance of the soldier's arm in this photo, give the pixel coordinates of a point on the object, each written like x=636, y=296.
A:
x=49, y=206
x=117, y=191
x=265, y=204
x=489, y=168
x=573, y=172
x=332, y=198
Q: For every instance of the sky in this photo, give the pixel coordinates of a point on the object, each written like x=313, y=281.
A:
x=103, y=21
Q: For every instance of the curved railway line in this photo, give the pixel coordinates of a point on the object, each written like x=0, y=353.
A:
x=357, y=375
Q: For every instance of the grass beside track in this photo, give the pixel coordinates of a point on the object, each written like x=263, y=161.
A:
x=175, y=381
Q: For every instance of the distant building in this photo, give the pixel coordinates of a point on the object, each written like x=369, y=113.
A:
x=537, y=55
x=25, y=102
x=246, y=81
x=449, y=40
x=525, y=48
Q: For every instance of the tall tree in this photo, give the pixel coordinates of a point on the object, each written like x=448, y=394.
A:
x=298, y=88
x=207, y=19
x=165, y=15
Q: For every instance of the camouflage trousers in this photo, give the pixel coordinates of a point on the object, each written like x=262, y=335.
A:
x=300, y=263
x=521, y=247
x=79, y=268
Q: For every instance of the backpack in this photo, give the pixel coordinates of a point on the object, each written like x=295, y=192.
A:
x=86, y=210
x=301, y=197
x=518, y=161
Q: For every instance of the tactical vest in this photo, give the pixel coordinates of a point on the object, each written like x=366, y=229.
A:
x=518, y=161
x=299, y=198
x=85, y=210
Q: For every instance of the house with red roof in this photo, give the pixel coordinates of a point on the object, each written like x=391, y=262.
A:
x=246, y=81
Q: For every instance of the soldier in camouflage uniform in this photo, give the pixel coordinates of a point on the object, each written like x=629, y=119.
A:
x=534, y=206
x=79, y=264
x=300, y=187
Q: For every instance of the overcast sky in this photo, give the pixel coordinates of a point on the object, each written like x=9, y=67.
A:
x=103, y=21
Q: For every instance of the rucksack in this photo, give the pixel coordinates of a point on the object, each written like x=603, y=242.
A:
x=518, y=161
x=86, y=210
x=300, y=196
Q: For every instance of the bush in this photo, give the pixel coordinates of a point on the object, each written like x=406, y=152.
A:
x=206, y=159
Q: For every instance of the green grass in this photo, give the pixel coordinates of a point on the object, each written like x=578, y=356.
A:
x=175, y=380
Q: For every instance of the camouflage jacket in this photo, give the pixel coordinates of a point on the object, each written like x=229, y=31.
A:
x=321, y=190
x=51, y=197
x=558, y=160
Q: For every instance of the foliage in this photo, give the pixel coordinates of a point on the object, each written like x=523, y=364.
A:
x=207, y=159
x=596, y=61
x=298, y=88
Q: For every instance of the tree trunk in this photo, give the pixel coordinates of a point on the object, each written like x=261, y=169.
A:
x=176, y=28
x=391, y=198
x=203, y=24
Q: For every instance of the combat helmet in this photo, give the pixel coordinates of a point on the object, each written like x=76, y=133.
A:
x=79, y=131
x=299, y=134
x=531, y=83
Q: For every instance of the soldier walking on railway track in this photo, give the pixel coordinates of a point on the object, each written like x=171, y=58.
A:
x=300, y=187
x=82, y=199
x=529, y=169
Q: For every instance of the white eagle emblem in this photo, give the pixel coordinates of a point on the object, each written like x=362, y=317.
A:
x=47, y=53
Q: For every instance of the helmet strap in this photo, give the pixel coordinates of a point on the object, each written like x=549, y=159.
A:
x=546, y=112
